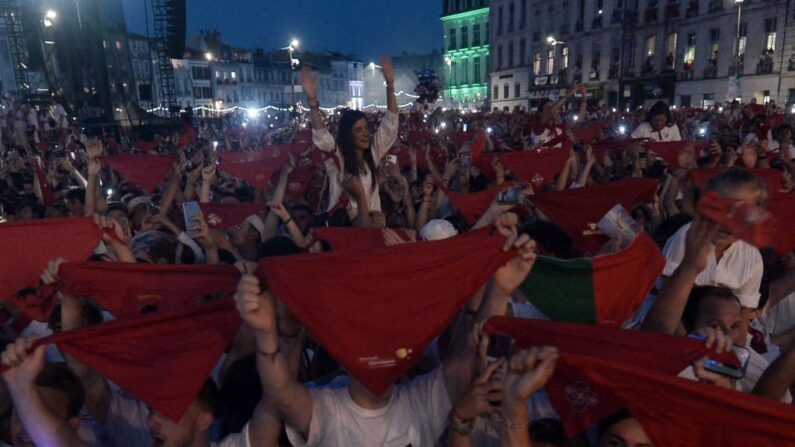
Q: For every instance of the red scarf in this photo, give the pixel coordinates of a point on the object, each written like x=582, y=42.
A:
x=276, y=151
x=669, y=150
x=47, y=195
x=27, y=246
x=472, y=206
x=144, y=171
x=376, y=312
x=576, y=211
x=579, y=400
x=256, y=173
x=162, y=359
x=127, y=290
x=749, y=222
x=588, y=133
x=227, y=215
x=783, y=208
x=353, y=239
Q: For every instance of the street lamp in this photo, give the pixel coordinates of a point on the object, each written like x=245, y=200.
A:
x=49, y=17
x=208, y=56
x=552, y=41
x=737, y=69
x=293, y=63
x=373, y=66
x=449, y=62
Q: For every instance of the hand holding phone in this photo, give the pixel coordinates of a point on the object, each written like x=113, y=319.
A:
x=192, y=214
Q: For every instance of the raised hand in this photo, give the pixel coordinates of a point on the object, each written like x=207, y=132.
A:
x=477, y=399
x=698, y=244
x=94, y=148
x=94, y=166
x=387, y=70
x=279, y=209
x=24, y=366
x=309, y=83
x=50, y=274
x=528, y=371
x=208, y=173
x=508, y=277
x=255, y=306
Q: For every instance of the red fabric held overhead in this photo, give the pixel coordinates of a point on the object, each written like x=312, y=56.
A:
x=27, y=246
x=227, y=215
x=749, y=222
x=126, y=290
x=783, y=208
x=539, y=166
x=686, y=413
x=472, y=206
x=616, y=298
x=256, y=173
x=144, y=171
x=353, y=239
x=579, y=401
x=577, y=211
x=669, y=150
x=161, y=359
x=377, y=313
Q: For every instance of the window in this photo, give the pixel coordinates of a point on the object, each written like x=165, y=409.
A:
x=499, y=20
x=690, y=49
x=670, y=44
x=766, y=97
x=197, y=92
x=709, y=100
x=511, y=9
x=499, y=57
x=550, y=61
x=630, y=53
x=476, y=68
x=487, y=33
x=476, y=34
x=452, y=43
x=496, y=94
x=517, y=90
x=523, y=15
x=506, y=91
x=651, y=42
x=510, y=54
x=743, y=37
x=770, y=34
x=564, y=58
x=522, y=50
x=465, y=71
x=464, y=36
x=714, y=43
x=537, y=63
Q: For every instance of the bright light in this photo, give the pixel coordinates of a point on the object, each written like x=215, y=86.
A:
x=252, y=114
x=208, y=56
x=720, y=109
x=448, y=61
x=622, y=129
x=576, y=117
x=444, y=125
x=50, y=14
x=550, y=39
x=294, y=43
x=110, y=191
x=614, y=110
x=489, y=130
x=599, y=12
x=436, y=130
x=702, y=131
x=245, y=124
x=47, y=23
x=215, y=145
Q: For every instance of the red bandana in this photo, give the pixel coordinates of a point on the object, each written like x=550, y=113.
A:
x=145, y=171
x=588, y=133
x=747, y=221
x=577, y=211
x=579, y=400
x=376, y=314
x=127, y=290
x=256, y=173
x=472, y=206
x=162, y=359
x=353, y=239
x=669, y=150
x=27, y=246
x=783, y=208
x=276, y=151
x=773, y=180
x=227, y=215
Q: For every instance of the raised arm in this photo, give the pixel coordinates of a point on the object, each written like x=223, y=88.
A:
x=42, y=425
x=258, y=310
x=387, y=132
x=665, y=315
x=778, y=377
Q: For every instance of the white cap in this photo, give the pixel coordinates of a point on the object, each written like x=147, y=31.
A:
x=258, y=225
x=140, y=200
x=437, y=230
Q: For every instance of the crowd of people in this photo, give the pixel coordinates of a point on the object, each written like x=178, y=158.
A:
x=381, y=268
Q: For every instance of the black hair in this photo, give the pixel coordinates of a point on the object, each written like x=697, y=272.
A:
x=116, y=206
x=244, y=194
x=670, y=226
x=58, y=377
x=659, y=108
x=347, y=147
x=605, y=424
x=733, y=179
x=240, y=393
x=277, y=246
x=698, y=296
x=76, y=193
x=548, y=431
x=551, y=238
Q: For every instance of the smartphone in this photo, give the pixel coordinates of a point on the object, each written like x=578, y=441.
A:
x=729, y=370
x=191, y=211
x=510, y=196
x=392, y=159
x=466, y=126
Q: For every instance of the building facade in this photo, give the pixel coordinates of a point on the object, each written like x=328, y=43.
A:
x=631, y=53
x=466, y=52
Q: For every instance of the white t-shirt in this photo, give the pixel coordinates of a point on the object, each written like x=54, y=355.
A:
x=667, y=133
x=416, y=415
x=546, y=135
x=383, y=140
x=739, y=269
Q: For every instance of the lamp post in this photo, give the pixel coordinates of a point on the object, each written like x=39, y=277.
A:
x=293, y=63
x=737, y=66
x=449, y=62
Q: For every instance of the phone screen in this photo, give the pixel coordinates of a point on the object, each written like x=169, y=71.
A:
x=736, y=371
x=191, y=211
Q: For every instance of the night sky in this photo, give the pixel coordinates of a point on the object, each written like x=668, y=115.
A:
x=366, y=28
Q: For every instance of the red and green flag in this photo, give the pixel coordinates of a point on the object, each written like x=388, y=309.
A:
x=600, y=290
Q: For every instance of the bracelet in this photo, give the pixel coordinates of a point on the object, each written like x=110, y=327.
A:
x=272, y=355
x=288, y=221
x=511, y=425
x=464, y=430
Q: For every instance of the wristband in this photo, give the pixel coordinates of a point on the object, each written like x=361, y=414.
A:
x=460, y=430
x=511, y=425
x=288, y=221
x=271, y=356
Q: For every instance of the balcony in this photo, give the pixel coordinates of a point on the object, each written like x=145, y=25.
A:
x=736, y=69
x=711, y=72
x=715, y=6
x=686, y=75
x=631, y=18
x=593, y=75
x=613, y=72
x=650, y=15
x=764, y=67
x=616, y=17
x=579, y=26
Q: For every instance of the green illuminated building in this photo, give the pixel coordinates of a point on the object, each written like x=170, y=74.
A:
x=466, y=52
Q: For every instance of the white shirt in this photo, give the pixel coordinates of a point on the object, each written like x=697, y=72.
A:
x=667, y=133
x=415, y=415
x=773, y=146
x=546, y=135
x=739, y=269
x=383, y=140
